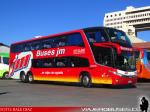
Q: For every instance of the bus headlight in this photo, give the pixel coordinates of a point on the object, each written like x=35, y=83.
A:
x=116, y=73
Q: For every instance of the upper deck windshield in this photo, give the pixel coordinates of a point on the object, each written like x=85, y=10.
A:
x=107, y=35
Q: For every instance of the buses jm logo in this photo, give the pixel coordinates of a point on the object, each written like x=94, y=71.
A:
x=19, y=64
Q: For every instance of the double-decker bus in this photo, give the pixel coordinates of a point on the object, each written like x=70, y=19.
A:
x=4, y=66
x=95, y=55
x=143, y=63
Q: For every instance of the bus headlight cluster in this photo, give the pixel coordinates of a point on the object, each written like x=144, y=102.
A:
x=116, y=73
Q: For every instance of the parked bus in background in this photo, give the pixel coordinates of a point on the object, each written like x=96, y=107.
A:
x=4, y=66
x=95, y=55
x=143, y=63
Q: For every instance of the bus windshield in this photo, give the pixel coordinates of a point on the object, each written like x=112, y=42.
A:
x=125, y=61
x=108, y=35
x=118, y=36
x=109, y=57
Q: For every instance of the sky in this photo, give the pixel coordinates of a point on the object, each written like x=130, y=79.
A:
x=25, y=19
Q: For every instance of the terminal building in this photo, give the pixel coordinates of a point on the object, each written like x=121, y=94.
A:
x=131, y=20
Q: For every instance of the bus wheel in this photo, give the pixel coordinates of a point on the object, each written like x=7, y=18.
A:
x=23, y=77
x=5, y=75
x=86, y=81
x=30, y=78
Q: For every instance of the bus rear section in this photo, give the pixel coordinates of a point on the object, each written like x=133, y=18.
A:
x=143, y=63
x=4, y=66
x=74, y=57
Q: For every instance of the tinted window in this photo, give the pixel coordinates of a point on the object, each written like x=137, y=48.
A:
x=60, y=41
x=79, y=62
x=42, y=63
x=48, y=63
x=27, y=47
x=47, y=43
x=125, y=61
x=65, y=40
x=17, y=48
x=118, y=36
x=35, y=45
x=96, y=36
x=60, y=62
x=37, y=63
x=75, y=40
x=5, y=60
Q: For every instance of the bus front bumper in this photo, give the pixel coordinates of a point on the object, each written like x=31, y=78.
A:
x=120, y=80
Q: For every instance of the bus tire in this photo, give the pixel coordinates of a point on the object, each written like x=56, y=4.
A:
x=86, y=80
x=5, y=75
x=23, y=77
x=30, y=77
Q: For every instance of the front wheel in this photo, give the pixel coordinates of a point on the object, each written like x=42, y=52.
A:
x=86, y=81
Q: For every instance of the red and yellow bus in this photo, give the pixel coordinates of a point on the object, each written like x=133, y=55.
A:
x=143, y=63
x=95, y=55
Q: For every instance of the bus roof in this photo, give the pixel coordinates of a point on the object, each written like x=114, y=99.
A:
x=4, y=54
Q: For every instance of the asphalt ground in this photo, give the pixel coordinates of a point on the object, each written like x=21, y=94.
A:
x=16, y=93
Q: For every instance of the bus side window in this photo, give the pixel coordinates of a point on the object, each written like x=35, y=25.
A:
x=79, y=62
x=60, y=41
x=47, y=63
x=27, y=47
x=17, y=48
x=61, y=62
x=92, y=37
x=48, y=43
x=36, y=46
x=75, y=40
x=37, y=63
x=83, y=62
